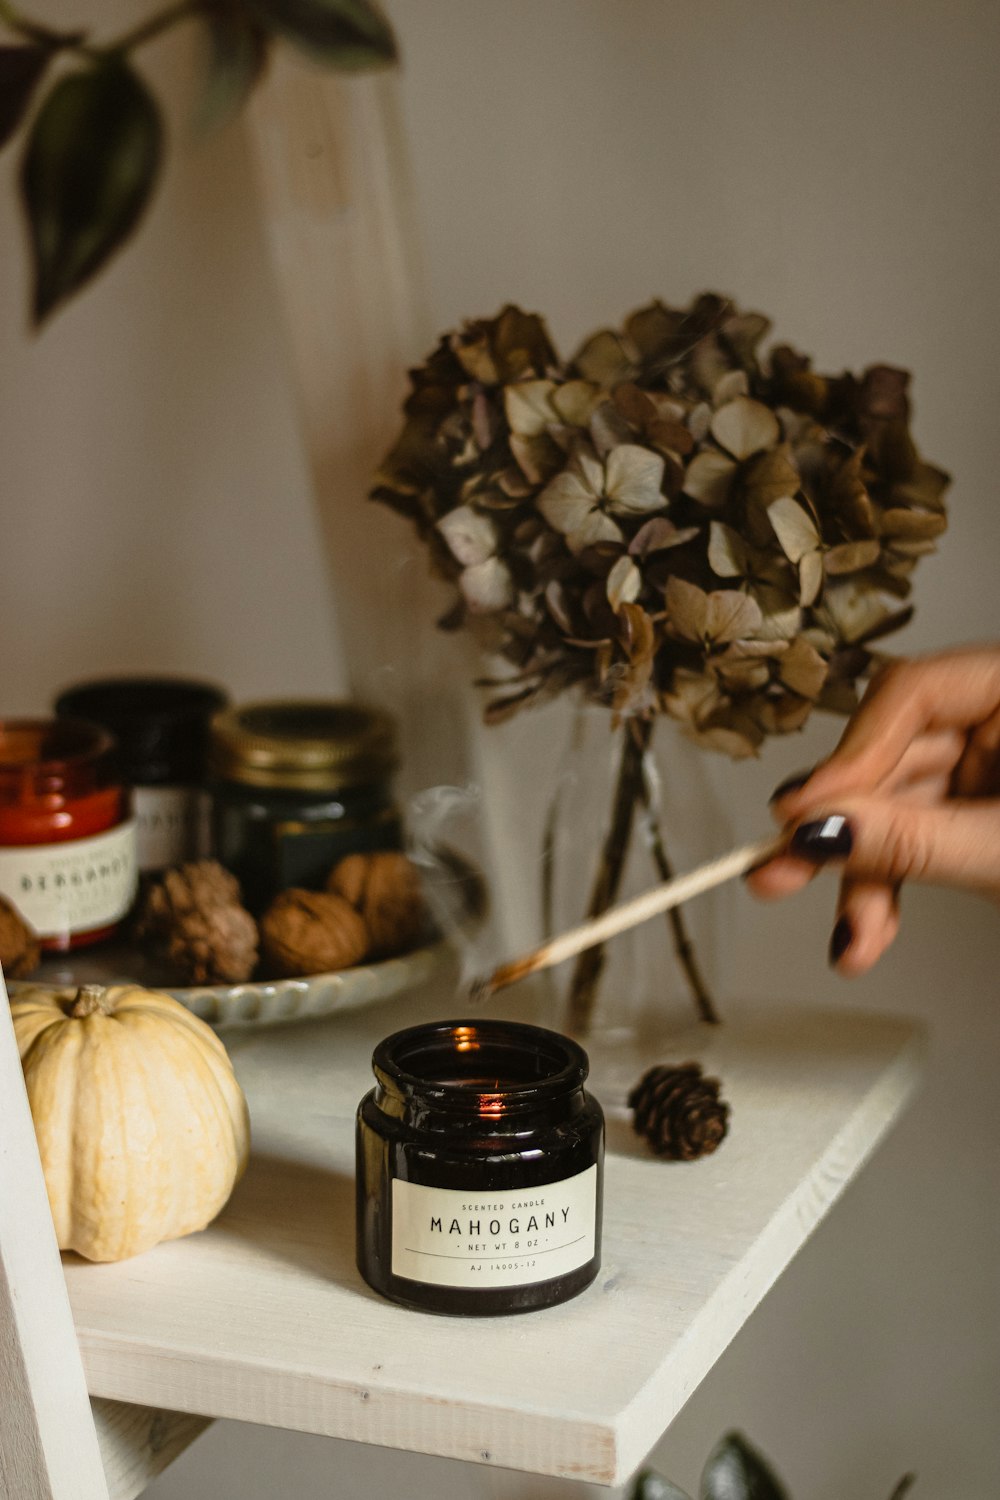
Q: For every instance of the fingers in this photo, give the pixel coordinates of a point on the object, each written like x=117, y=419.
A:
x=953, y=692
x=867, y=923
x=781, y=876
x=889, y=839
x=978, y=771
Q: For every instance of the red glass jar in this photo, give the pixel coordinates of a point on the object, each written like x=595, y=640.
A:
x=67, y=837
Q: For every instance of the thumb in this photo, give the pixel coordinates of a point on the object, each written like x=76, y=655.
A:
x=892, y=840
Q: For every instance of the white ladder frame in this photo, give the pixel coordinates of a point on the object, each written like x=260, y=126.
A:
x=55, y=1443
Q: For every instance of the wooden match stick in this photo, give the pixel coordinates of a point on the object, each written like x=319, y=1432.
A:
x=630, y=913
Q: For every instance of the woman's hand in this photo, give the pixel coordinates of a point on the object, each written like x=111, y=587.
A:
x=912, y=792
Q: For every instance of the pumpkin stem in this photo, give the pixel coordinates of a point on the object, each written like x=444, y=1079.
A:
x=91, y=999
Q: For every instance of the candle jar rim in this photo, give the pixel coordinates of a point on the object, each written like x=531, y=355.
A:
x=51, y=747
x=396, y=1063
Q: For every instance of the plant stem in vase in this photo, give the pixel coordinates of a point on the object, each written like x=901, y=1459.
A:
x=633, y=791
x=683, y=945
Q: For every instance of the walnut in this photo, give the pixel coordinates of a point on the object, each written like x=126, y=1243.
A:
x=193, y=914
x=20, y=952
x=385, y=889
x=311, y=932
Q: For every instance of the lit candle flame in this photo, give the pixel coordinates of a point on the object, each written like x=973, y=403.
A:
x=465, y=1038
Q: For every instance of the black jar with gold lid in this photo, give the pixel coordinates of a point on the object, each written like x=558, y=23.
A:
x=479, y=1169
x=296, y=786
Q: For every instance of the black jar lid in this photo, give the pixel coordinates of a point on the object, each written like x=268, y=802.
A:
x=304, y=745
x=160, y=723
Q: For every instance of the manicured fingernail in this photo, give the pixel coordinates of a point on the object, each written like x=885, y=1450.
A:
x=823, y=839
x=791, y=785
x=840, y=939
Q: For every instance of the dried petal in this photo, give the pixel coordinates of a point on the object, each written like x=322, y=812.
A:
x=925, y=487
x=694, y=696
x=471, y=537
x=769, y=476
x=851, y=557
x=595, y=527
x=604, y=359
x=538, y=457
x=555, y=598
x=709, y=478
x=575, y=401
x=634, y=476
x=794, y=528
x=915, y=525
x=487, y=586
x=803, y=669
x=734, y=383
x=853, y=610
x=687, y=609
x=810, y=578
x=727, y=552
x=744, y=427
x=624, y=583
x=528, y=405
x=658, y=534
x=731, y=614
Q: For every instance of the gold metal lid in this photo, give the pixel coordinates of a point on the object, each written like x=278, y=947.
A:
x=304, y=745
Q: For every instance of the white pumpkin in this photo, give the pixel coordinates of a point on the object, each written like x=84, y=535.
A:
x=142, y=1128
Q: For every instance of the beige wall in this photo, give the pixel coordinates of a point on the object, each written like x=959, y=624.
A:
x=834, y=166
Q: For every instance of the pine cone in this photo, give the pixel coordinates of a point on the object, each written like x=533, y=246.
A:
x=679, y=1111
x=193, y=913
x=20, y=953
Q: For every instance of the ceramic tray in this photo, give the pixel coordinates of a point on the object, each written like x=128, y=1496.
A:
x=256, y=1003
x=458, y=904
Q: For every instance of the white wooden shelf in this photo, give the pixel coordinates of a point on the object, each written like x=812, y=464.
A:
x=264, y=1317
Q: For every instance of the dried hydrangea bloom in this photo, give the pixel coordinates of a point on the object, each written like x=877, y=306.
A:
x=668, y=521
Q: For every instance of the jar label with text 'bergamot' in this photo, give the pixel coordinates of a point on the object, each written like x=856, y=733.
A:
x=78, y=885
x=450, y=1237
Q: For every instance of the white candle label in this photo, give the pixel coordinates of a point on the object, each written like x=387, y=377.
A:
x=170, y=825
x=75, y=886
x=512, y=1238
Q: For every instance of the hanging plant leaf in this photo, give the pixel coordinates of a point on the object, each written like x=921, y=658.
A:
x=348, y=34
x=237, y=56
x=20, y=71
x=736, y=1471
x=92, y=160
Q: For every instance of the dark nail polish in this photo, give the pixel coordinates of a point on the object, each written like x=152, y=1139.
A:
x=841, y=939
x=823, y=839
x=791, y=785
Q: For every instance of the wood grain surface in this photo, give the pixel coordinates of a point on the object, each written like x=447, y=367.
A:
x=265, y=1318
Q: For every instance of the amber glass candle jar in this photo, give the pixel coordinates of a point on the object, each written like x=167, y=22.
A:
x=67, y=838
x=479, y=1169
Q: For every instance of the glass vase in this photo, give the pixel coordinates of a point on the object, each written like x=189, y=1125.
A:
x=632, y=805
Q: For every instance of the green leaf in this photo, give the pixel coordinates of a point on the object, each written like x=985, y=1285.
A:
x=92, y=160
x=736, y=1471
x=348, y=34
x=20, y=70
x=237, y=55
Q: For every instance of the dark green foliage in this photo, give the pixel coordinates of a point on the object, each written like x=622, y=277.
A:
x=93, y=157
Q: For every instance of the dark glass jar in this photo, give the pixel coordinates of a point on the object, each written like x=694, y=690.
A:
x=479, y=1169
x=161, y=726
x=67, y=837
x=296, y=787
